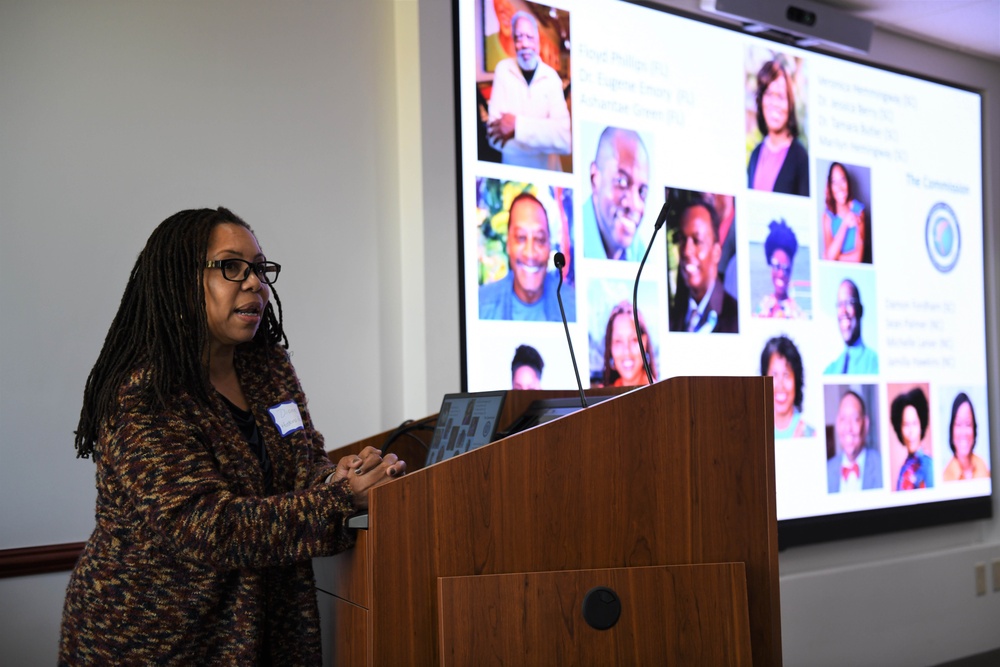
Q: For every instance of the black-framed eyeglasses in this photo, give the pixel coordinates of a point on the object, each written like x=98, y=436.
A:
x=238, y=270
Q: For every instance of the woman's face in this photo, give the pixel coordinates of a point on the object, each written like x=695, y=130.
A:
x=625, y=351
x=234, y=310
x=911, y=428
x=774, y=105
x=838, y=185
x=963, y=432
x=781, y=271
x=784, y=384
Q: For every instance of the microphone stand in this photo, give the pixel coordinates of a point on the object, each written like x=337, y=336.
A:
x=560, y=261
x=660, y=219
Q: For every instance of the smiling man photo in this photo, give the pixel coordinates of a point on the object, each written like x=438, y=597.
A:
x=528, y=291
x=529, y=120
x=857, y=358
x=707, y=308
x=619, y=180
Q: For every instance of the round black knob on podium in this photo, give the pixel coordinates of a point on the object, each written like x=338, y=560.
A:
x=601, y=608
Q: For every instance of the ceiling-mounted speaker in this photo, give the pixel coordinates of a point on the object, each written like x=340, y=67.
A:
x=798, y=22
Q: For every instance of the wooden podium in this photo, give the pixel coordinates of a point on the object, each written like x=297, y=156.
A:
x=664, y=495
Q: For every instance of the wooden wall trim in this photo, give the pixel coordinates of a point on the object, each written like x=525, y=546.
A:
x=38, y=560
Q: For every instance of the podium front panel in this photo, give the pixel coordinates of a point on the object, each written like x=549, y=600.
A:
x=669, y=615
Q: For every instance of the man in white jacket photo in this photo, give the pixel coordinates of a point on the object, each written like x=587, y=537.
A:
x=529, y=120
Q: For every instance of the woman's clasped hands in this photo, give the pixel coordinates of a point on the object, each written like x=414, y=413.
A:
x=366, y=470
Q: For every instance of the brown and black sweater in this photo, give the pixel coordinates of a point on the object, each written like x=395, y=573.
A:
x=190, y=563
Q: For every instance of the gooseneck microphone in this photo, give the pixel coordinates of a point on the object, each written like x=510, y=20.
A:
x=560, y=261
x=660, y=219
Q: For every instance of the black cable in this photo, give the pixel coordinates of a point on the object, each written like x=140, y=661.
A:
x=406, y=428
x=409, y=433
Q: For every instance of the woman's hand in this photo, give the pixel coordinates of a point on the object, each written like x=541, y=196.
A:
x=367, y=470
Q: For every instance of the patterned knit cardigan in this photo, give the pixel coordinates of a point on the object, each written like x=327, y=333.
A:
x=190, y=564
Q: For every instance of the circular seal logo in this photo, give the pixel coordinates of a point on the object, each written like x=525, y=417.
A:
x=942, y=236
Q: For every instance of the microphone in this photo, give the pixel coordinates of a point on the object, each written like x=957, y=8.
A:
x=560, y=261
x=660, y=219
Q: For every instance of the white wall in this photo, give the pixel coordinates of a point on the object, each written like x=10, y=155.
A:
x=303, y=117
x=114, y=115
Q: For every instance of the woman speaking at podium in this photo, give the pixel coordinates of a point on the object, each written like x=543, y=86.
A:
x=213, y=488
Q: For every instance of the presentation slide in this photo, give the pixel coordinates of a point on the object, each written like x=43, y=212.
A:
x=825, y=227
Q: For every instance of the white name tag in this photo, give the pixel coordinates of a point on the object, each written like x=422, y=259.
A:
x=286, y=417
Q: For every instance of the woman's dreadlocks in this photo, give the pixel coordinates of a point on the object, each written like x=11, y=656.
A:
x=161, y=324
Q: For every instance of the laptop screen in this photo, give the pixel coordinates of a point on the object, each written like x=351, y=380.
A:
x=546, y=409
x=466, y=421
